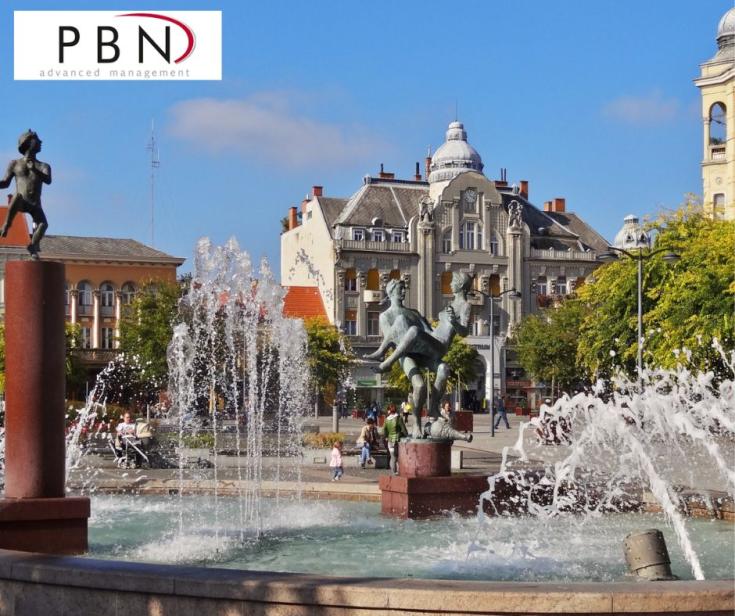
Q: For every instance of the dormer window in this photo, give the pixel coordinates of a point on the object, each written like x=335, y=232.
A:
x=397, y=236
x=358, y=234
x=378, y=235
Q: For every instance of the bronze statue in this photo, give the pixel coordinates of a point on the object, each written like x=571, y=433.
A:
x=30, y=175
x=418, y=346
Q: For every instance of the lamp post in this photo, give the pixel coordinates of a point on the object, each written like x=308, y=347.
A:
x=639, y=256
x=513, y=294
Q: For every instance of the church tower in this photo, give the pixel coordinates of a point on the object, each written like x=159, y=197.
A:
x=717, y=85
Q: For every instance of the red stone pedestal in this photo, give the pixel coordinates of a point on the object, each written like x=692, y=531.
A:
x=425, y=487
x=35, y=515
x=50, y=525
x=423, y=497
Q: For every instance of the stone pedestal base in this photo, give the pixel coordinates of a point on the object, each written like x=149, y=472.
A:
x=424, y=458
x=49, y=525
x=423, y=497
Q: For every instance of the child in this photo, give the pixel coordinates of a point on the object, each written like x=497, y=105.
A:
x=336, y=461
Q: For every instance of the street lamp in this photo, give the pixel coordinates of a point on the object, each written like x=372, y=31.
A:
x=515, y=295
x=640, y=257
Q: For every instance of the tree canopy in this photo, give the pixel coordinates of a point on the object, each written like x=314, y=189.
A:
x=328, y=353
x=687, y=305
x=146, y=328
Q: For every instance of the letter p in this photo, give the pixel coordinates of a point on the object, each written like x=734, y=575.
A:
x=63, y=42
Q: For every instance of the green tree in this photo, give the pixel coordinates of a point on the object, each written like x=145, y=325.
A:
x=546, y=344
x=328, y=356
x=686, y=305
x=146, y=328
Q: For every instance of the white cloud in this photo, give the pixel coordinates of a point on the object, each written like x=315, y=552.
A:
x=651, y=108
x=265, y=129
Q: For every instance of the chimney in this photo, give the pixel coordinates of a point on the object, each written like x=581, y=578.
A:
x=560, y=204
x=316, y=191
x=548, y=206
x=427, y=167
x=524, y=189
x=293, y=218
x=417, y=175
x=385, y=174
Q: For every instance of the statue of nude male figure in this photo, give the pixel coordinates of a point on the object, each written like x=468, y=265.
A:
x=30, y=175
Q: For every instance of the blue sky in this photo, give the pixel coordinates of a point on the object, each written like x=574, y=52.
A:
x=590, y=100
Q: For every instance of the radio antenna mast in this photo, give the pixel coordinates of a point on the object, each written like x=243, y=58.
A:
x=152, y=147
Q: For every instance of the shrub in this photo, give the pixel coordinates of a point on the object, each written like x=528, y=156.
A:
x=204, y=440
x=323, y=440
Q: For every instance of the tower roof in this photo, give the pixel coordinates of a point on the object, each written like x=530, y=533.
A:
x=455, y=156
x=726, y=27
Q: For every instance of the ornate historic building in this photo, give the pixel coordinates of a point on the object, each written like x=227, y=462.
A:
x=102, y=275
x=451, y=218
x=717, y=86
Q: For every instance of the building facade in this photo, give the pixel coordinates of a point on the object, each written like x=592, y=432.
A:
x=717, y=87
x=452, y=218
x=102, y=275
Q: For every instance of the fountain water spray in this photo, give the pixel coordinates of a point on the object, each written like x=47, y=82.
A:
x=675, y=429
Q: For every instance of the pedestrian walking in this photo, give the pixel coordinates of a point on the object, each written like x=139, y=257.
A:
x=336, y=462
x=367, y=441
x=394, y=430
x=500, y=414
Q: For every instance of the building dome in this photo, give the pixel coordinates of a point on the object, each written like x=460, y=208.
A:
x=726, y=27
x=631, y=235
x=455, y=156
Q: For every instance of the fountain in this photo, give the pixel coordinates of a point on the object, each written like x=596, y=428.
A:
x=551, y=514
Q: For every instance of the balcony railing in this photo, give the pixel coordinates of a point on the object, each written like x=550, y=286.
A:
x=84, y=309
x=717, y=152
x=374, y=246
x=566, y=255
x=96, y=356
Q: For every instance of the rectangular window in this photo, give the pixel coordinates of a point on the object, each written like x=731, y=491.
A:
x=86, y=337
x=358, y=234
x=350, y=327
x=541, y=288
x=107, y=338
x=494, y=246
x=397, y=237
x=351, y=284
x=377, y=235
x=560, y=286
x=447, y=243
x=373, y=323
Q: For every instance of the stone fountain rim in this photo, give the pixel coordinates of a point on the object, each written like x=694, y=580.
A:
x=169, y=582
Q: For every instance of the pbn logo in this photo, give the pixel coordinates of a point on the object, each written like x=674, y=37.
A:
x=92, y=45
x=107, y=37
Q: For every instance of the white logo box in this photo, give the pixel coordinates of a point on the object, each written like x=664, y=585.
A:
x=65, y=45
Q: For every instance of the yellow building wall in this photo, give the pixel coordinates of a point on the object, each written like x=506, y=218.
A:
x=717, y=85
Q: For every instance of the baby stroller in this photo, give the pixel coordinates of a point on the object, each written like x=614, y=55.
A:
x=131, y=450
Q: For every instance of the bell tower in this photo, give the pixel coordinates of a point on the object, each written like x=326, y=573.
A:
x=717, y=86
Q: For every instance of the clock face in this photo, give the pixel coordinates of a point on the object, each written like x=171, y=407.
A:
x=470, y=195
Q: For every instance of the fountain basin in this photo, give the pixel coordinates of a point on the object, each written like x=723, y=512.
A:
x=39, y=584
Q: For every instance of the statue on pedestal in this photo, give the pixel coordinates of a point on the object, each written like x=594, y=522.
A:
x=30, y=175
x=418, y=346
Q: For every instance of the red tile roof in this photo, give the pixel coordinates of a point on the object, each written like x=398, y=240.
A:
x=18, y=234
x=303, y=303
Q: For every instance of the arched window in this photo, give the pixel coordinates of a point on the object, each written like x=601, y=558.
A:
x=470, y=236
x=718, y=201
x=84, y=299
x=107, y=295
x=494, y=245
x=447, y=242
x=351, y=279
x=373, y=280
x=395, y=274
x=128, y=293
x=717, y=125
x=446, y=283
